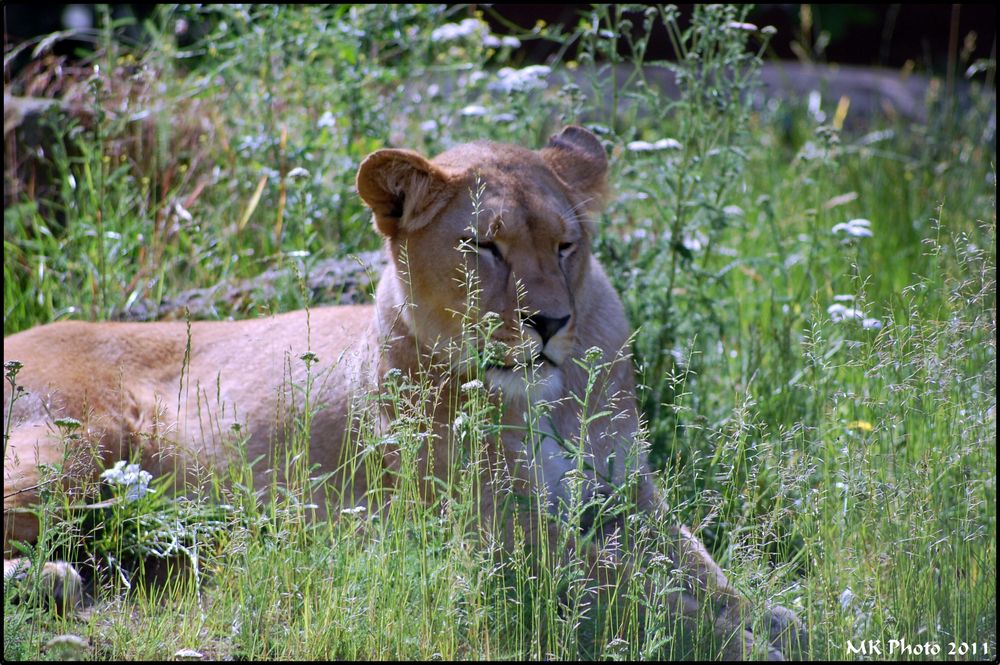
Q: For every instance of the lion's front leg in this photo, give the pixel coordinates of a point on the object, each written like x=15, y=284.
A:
x=709, y=584
x=31, y=453
x=512, y=507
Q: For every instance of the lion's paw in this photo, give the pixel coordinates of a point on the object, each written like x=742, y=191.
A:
x=61, y=585
x=786, y=632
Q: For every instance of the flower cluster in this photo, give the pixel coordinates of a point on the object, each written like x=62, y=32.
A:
x=840, y=312
x=662, y=144
x=131, y=477
x=529, y=78
x=472, y=385
x=450, y=32
x=472, y=28
x=856, y=228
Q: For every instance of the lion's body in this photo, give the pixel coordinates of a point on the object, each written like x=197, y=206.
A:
x=168, y=394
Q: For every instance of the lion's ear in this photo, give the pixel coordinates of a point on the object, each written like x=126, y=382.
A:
x=398, y=186
x=578, y=158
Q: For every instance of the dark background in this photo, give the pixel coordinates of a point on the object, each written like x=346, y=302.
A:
x=887, y=35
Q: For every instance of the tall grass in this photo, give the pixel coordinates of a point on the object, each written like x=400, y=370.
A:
x=821, y=405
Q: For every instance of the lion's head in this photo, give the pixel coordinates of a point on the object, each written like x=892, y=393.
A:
x=503, y=222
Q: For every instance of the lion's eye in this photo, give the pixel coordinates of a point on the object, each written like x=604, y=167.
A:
x=565, y=249
x=492, y=249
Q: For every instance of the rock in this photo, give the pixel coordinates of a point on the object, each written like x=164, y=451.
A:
x=332, y=282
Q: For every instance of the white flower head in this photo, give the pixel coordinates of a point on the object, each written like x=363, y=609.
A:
x=473, y=111
x=469, y=386
x=492, y=41
x=298, y=172
x=815, y=106
x=662, y=144
x=469, y=27
x=131, y=477
x=694, y=242
x=326, y=120
x=182, y=213
x=736, y=25
x=855, y=228
x=871, y=324
x=529, y=78
x=839, y=312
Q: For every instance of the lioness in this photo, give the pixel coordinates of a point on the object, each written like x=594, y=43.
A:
x=513, y=219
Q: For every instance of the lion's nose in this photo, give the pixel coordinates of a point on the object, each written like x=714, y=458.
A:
x=546, y=326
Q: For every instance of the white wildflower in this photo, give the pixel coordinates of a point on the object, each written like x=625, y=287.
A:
x=326, y=120
x=492, y=41
x=357, y=510
x=846, y=598
x=188, y=654
x=871, y=324
x=182, y=213
x=839, y=312
x=471, y=79
x=131, y=477
x=640, y=146
x=736, y=25
x=855, y=228
x=694, y=242
x=428, y=126
x=732, y=211
x=814, y=103
x=473, y=110
x=298, y=172
x=459, y=422
x=450, y=32
x=532, y=77
x=475, y=384
x=662, y=144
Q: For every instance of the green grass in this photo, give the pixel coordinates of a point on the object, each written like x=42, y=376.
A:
x=847, y=472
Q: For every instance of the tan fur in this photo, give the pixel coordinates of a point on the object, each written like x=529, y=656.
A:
x=167, y=395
